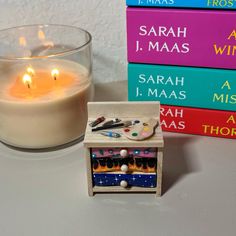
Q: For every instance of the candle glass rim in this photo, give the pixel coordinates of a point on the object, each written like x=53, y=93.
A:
x=60, y=54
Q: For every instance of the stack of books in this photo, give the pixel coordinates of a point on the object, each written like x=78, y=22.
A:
x=185, y=57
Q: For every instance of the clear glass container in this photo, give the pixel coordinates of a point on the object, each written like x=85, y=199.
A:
x=45, y=84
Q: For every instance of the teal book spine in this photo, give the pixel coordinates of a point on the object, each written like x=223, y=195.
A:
x=183, y=86
x=217, y=4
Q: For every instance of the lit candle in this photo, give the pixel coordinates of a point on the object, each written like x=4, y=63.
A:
x=51, y=115
x=55, y=73
x=27, y=80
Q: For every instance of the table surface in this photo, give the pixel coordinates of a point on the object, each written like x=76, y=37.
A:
x=45, y=193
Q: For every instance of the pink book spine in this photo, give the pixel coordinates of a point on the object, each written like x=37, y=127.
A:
x=201, y=38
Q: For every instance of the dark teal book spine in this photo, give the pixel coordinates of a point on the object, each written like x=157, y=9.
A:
x=183, y=86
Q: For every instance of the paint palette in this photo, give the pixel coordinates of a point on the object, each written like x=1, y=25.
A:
x=141, y=130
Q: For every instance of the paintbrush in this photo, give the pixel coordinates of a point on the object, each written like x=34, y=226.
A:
x=119, y=125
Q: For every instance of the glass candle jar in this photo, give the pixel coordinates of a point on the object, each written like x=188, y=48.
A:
x=46, y=82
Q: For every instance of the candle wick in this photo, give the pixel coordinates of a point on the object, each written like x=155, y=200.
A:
x=55, y=78
x=28, y=85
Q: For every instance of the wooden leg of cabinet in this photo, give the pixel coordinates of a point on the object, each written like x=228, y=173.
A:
x=89, y=173
x=159, y=171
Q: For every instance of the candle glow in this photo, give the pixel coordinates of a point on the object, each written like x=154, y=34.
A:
x=27, y=80
x=55, y=73
x=22, y=41
x=41, y=35
x=30, y=71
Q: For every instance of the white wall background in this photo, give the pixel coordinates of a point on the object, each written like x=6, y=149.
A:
x=104, y=19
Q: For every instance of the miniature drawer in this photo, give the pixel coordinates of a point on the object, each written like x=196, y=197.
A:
x=125, y=160
x=126, y=165
x=125, y=180
x=123, y=152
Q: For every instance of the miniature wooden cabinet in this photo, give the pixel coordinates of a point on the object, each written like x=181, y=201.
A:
x=121, y=164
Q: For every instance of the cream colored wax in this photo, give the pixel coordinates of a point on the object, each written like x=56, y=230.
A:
x=48, y=111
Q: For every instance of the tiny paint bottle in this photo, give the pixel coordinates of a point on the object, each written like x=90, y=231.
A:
x=110, y=134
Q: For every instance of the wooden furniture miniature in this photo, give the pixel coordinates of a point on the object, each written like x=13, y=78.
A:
x=121, y=164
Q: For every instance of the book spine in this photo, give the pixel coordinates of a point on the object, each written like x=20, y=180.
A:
x=198, y=121
x=202, y=38
x=218, y=4
x=183, y=86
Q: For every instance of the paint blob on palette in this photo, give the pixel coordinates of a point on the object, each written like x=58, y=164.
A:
x=141, y=130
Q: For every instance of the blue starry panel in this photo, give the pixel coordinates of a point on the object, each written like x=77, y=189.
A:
x=136, y=180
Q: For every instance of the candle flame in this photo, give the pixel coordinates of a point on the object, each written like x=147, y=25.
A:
x=27, y=80
x=30, y=71
x=22, y=41
x=55, y=73
x=41, y=35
